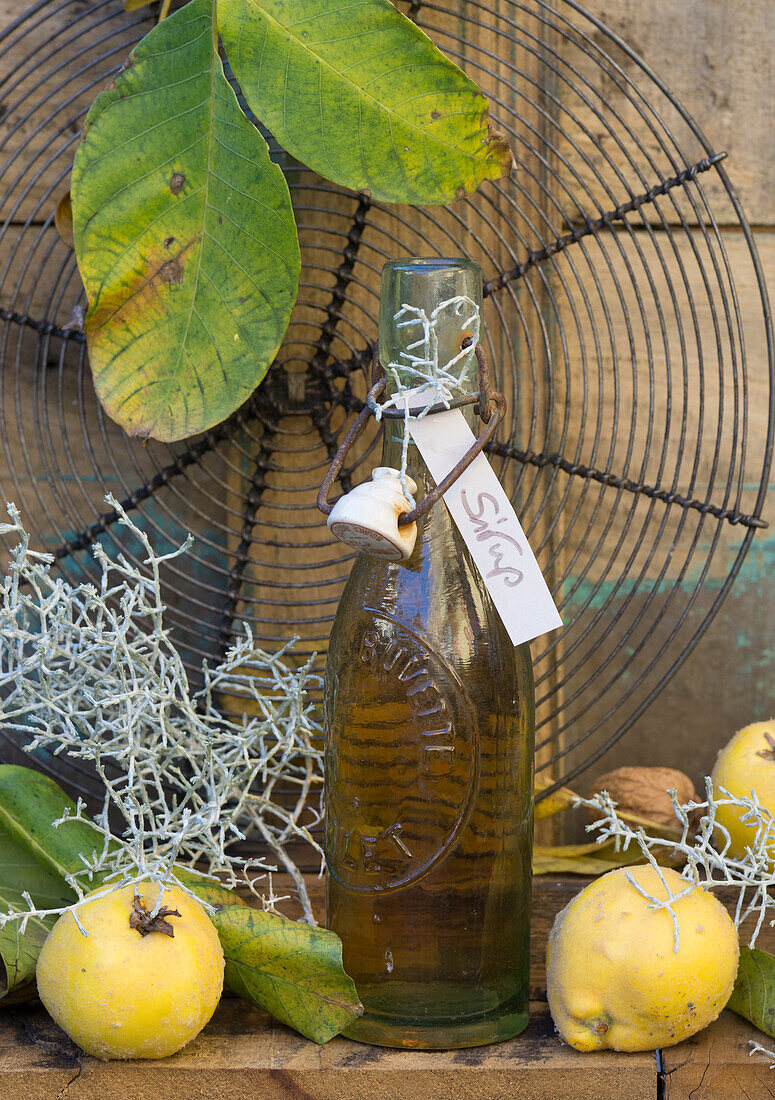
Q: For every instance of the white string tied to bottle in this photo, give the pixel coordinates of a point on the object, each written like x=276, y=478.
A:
x=440, y=381
x=368, y=518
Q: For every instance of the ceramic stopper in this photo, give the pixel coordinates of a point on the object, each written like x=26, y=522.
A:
x=367, y=517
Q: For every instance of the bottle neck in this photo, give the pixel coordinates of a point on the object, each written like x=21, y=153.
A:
x=393, y=446
x=438, y=522
x=394, y=428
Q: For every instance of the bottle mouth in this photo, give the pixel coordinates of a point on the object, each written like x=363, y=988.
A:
x=431, y=263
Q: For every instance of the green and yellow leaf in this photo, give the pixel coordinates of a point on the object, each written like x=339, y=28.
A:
x=291, y=970
x=754, y=994
x=184, y=236
x=356, y=91
x=19, y=873
x=29, y=804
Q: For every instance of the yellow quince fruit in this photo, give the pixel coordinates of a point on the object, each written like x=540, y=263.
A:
x=613, y=977
x=746, y=762
x=135, y=986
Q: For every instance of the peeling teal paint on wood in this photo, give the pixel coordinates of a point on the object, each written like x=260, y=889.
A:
x=756, y=572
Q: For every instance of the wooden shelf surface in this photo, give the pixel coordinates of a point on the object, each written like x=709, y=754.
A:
x=243, y=1054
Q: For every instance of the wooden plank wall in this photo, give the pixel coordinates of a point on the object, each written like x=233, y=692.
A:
x=718, y=59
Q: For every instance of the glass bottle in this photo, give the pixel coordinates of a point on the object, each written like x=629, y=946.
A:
x=429, y=757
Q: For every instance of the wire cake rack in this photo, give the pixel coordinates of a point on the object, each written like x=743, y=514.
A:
x=613, y=324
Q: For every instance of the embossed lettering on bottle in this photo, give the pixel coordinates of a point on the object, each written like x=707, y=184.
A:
x=429, y=753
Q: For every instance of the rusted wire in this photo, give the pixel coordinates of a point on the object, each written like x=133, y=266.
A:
x=490, y=405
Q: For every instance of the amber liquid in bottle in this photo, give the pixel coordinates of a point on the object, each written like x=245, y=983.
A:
x=429, y=769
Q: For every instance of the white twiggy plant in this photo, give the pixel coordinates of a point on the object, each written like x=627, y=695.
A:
x=419, y=361
x=757, y=1048
x=91, y=671
x=704, y=846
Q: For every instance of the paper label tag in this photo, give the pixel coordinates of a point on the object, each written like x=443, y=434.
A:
x=485, y=518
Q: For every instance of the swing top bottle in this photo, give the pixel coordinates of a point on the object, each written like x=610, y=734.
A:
x=428, y=751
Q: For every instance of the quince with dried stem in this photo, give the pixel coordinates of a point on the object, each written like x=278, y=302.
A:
x=144, y=979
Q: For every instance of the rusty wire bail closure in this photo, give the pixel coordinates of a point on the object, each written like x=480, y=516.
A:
x=489, y=404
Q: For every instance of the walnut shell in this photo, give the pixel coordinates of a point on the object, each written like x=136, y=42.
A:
x=643, y=791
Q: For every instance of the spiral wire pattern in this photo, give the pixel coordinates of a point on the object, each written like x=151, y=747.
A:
x=612, y=323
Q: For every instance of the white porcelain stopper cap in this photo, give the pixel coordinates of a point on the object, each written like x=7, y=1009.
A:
x=367, y=517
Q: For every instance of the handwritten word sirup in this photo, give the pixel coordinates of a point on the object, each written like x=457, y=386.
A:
x=485, y=518
x=499, y=548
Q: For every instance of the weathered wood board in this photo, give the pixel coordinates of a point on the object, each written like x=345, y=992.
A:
x=654, y=568
x=717, y=59
x=243, y=1053
x=718, y=1064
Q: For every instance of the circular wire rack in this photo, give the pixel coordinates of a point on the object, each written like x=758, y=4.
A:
x=612, y=322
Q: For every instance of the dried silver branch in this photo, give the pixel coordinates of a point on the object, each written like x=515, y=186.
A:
x=704, y=845
x=419, y=362
x=757, y=1048
x=92, y=672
